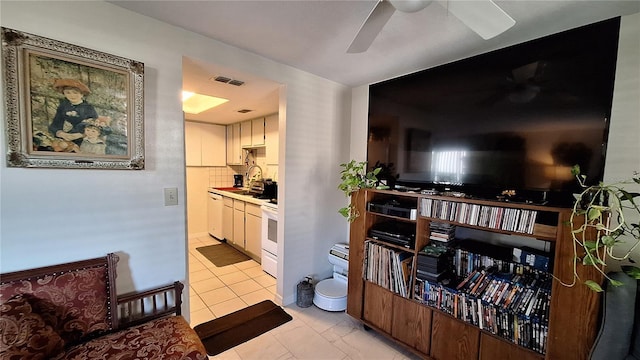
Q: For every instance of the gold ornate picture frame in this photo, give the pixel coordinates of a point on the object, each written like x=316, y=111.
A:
x=67, y=106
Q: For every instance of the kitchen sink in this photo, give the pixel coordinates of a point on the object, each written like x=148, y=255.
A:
x=240, y=192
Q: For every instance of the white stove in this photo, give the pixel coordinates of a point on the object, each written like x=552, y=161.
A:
x=269, y=256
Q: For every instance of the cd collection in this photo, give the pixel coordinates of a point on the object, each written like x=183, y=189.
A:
x=492, y=217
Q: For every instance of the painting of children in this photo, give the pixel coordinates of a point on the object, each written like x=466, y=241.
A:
x=73, y=109
x=77, y=107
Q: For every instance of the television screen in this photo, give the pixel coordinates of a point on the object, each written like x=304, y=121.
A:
x=516, y=119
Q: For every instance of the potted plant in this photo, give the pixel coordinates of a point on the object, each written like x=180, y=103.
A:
x=355, y=176
x=603, y=217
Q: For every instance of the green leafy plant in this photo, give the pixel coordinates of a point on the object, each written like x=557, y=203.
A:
x=355, y=176
x=601, y=220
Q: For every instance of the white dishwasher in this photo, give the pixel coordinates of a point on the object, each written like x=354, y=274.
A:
x=214, y=214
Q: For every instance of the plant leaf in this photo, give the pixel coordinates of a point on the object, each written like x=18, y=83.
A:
x=608, y=240
x=615, y=282
x=575, y=170
x=588, y=261
x=594, y=213
x=629, y=195
x=590, y=245
x=593, y=285
x=632, y=271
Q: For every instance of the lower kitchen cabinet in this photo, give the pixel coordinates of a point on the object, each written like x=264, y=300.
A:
x=227, y=219
x=242, y=226
x=238, y=223
x=253, y=230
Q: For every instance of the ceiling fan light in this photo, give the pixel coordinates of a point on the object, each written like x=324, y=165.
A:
x=410, y=6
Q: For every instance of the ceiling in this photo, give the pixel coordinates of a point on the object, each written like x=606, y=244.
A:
x=314, y=35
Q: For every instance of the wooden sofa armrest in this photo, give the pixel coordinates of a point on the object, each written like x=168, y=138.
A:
x=139, y=307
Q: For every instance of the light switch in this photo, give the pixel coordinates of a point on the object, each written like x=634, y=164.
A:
x=170, y=196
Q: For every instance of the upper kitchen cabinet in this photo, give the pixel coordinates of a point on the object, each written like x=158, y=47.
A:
x=257, y=132
x=245, y=133
x=204, y=144
x=234, y=148
x=252, y=133
x=271, y=139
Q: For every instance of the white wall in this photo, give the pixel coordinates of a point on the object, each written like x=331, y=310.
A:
x=623, y=150
x=40, y=226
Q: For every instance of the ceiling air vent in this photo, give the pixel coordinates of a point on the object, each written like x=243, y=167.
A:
x=222, y=79
x=227, y=80
x=244, y=111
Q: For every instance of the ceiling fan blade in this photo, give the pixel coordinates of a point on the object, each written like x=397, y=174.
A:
x=370, y=29
x=482, y=16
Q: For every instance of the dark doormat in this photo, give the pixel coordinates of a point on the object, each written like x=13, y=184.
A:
x=223, y=333
x=222, y=254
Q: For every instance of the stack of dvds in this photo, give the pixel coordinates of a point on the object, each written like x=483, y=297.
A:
x=434, y=264
x=442, y=232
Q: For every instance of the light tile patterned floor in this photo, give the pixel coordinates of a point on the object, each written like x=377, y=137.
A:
x=312, y=334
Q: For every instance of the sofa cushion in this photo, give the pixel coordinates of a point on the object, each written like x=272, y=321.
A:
x=24, y=335
x=74, y=302
x=618, y=313
x=169, y=338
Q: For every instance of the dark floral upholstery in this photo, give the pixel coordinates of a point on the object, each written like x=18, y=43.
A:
x=65, y=312
x=74, y=303
x=168, y=338
x=25, y=335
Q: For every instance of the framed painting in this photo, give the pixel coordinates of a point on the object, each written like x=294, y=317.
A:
x=67, y=106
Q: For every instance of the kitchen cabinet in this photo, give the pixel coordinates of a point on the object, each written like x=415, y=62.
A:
x=227, y=219
x=257, y=132
x=271, y=139
x=238, y=224
x=234, y=148
x=245, y=133
x=253, y=227
x=204, y=144
x=252, y=133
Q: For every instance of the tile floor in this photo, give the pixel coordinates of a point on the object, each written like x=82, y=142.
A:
x=312, y=334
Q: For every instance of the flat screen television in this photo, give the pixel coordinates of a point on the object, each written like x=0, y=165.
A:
x=514, y=120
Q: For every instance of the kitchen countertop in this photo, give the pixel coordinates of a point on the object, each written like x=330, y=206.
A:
x=247, y=198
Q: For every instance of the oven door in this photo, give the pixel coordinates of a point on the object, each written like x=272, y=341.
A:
x=270, y=230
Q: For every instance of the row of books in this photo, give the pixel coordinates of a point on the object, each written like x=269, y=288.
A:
x=527, y=331
x=387, y=267
x=528, y=295
x=492, y=217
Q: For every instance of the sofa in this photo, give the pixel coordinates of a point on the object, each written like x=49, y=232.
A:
x=619, y=334
x=71, y=311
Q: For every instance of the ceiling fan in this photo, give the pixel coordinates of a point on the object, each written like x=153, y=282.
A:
x=482, y=16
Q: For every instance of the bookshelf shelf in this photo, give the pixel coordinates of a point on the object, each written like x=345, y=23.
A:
x=538, y=320
x=394, y=246
x=391, y=217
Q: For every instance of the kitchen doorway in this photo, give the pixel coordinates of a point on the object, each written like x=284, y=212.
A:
x=249, y=98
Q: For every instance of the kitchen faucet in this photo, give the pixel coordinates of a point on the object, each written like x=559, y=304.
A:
x=249, y=172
